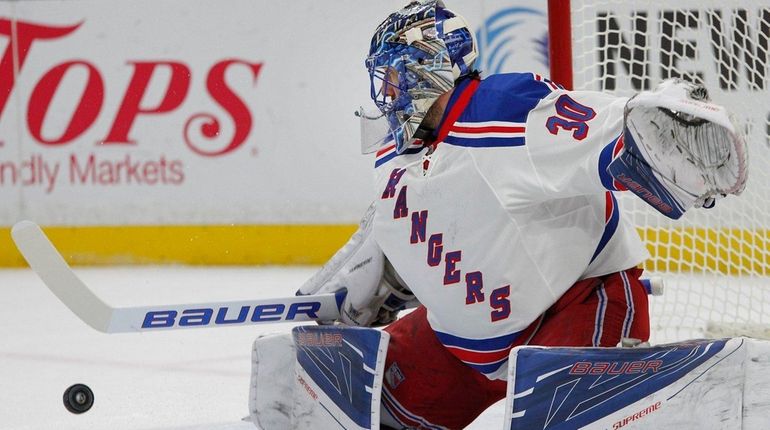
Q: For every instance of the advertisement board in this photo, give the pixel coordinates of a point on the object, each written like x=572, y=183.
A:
x=125, y=116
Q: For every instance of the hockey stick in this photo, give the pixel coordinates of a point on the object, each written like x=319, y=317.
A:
x=57, y=275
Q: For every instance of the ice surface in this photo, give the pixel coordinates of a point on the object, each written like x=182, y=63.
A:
x=174, y=380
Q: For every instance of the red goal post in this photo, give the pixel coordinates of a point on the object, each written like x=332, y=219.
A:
x=560, y=42
x=716, y=263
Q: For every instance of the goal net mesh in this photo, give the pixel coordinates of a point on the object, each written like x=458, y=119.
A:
x=714, y=262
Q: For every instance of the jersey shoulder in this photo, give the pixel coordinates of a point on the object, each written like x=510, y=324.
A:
x=497, y=113
x=508, y=97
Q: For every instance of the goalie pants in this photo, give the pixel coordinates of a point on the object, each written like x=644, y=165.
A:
x=426, y=387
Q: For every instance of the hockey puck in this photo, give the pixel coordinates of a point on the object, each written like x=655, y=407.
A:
x=78, y=398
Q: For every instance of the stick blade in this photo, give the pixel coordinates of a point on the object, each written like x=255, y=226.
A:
x=45, y=260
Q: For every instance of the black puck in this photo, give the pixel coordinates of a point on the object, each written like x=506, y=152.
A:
x=78, y=398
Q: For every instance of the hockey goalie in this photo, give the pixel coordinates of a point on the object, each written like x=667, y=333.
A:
x=495, y=219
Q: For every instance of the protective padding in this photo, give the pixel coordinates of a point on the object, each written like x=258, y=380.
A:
x=339, y=375
x=272, y=383
x=721, y=384
x=631, y=170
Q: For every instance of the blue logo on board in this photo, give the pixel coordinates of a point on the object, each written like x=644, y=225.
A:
x=513, y=39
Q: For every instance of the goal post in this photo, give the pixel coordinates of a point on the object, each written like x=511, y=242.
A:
x=560, y=42
x=716, y=262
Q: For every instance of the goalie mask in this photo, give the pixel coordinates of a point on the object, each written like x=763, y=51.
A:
x=415, y=56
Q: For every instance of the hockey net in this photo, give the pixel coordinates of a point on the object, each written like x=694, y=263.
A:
x=716, y=262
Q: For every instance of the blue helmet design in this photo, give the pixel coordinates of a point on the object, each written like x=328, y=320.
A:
x=415, y=56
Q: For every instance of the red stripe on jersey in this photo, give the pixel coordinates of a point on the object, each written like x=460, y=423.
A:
x=477, y=357
x=618, y=146
x=384, y=150
x=609, y=207
x=548, y=82
x=488, y=129
x=457, y=109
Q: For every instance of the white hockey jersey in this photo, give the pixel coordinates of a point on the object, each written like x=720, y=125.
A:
x=510, y=210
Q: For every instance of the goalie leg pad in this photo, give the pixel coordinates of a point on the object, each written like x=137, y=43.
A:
x=338, y=376
x=318, y=377
x=756, y=392
x=719, y=383
x=271, y=393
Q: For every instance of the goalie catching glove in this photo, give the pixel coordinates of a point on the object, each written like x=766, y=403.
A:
x=680, y=150
x=375, y=292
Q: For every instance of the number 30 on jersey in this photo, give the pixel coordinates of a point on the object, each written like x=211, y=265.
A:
x=571, y=116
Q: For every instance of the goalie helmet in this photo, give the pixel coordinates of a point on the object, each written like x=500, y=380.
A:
x=416, y=55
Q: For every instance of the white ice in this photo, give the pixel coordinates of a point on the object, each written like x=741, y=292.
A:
x=174, y=380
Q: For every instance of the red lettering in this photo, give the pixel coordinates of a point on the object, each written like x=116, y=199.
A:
x=130, y=107
x=653, y=366
x=599, y=368
x=638, y=415
x=580, y=368
x=234, y=106
x=22, y=37
x=617, y=368
x=85, y=113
